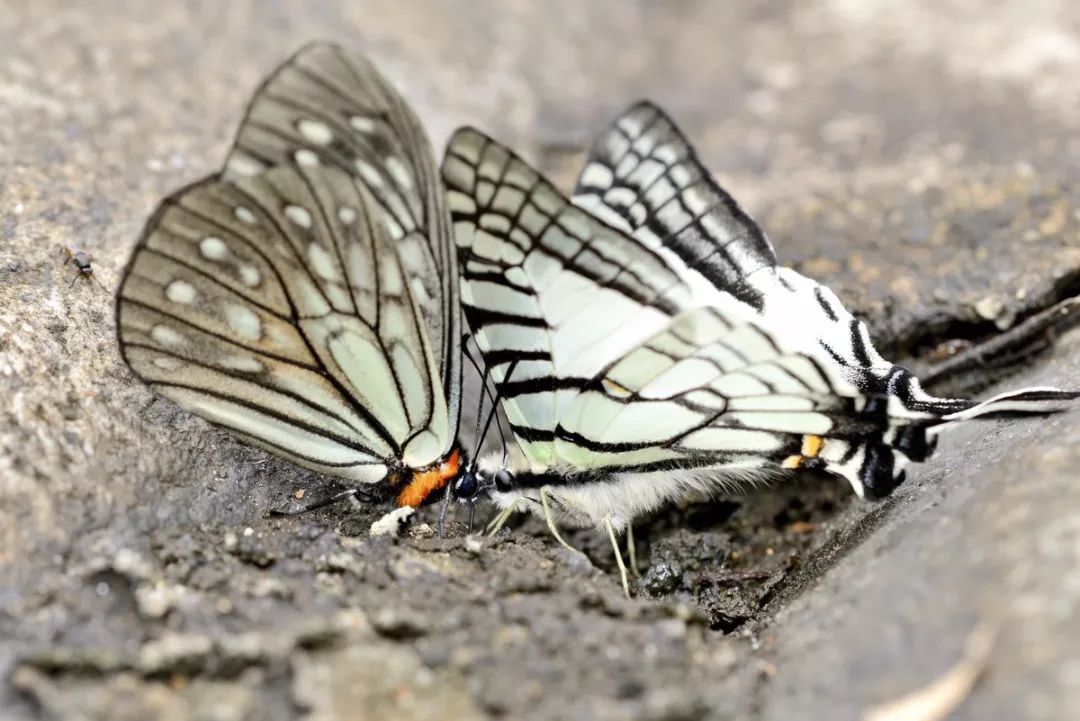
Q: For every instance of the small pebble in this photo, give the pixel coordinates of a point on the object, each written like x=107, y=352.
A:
x=989, y=308
x=474, y=544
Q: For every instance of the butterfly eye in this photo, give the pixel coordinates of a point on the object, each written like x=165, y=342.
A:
x=504, y=481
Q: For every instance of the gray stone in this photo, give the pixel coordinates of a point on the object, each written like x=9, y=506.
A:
x=923, y=163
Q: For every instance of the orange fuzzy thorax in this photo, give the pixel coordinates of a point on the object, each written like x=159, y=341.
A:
x=427, y=481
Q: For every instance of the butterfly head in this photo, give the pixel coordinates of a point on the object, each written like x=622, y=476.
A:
x=477, y=484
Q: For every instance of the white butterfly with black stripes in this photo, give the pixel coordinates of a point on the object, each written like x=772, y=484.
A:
x=307, y=297
x=646, y=344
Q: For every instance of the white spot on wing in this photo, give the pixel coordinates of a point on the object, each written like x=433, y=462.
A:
x=299, y=216
x=167, y=363
x=394, y=227
x=346, y=215
x=321, y=262
x=315, y=131
x=364, y=125
x=249, y=275
x=306, y=158
x=243, y=320
x=399, y=172
x=244, y=215
x=180, y=291
x=369, y=174
x=213, y=248
x=165, y=335
x=245, y=364
x=244, y=165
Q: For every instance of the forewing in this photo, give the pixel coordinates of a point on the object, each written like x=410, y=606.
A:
x=643, y=174
x=551, y=293
x=275, y=307
x=330, y=106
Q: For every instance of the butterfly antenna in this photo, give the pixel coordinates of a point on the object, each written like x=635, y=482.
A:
x=440, y=525
x=336, y=498
x=484, y=390
x=472, y=517
x=476, y=366
x=506, y=448
x=494, y=411
x=494, y=401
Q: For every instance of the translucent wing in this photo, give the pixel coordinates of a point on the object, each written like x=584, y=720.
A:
x=277, y=307
x=642, y=174
x=712, y=390
x=624, y=367
x=329, y=106
x=610, y=367
x=551, y=293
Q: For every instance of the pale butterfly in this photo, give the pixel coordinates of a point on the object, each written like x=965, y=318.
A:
x=306, y=298
x=646, y=345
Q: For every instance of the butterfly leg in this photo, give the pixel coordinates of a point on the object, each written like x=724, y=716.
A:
x=551, y=521
x=440, y=525
x=500, y=520
x=618, y=556
x=337, y=497
x=631, y=551
x=472, y=517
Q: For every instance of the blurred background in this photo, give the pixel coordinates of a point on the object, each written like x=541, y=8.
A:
x=920, y=157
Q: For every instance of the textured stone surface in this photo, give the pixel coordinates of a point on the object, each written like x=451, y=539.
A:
x=920, y=158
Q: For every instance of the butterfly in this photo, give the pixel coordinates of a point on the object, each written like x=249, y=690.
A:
x=306, y=297
x=647, y=345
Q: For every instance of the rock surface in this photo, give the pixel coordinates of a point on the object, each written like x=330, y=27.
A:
x=920, y=159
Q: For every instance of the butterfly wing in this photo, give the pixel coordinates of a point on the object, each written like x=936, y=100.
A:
x=329, y=106
x=715, y=390
x=572, y=298
x=629, y=369
x=620, y=370
x=277, y=307
x=642, y=172
x=643, y=175
x=551, y=293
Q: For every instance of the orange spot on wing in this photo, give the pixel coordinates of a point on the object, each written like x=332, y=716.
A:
x=811, y=446
x=427, y=481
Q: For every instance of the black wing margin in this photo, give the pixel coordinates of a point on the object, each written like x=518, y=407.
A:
x=327, y=105
x=642, y=173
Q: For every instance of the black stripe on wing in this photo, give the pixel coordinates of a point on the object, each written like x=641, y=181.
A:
x=642, y=169
x=331, y=106
x=546, y=283
x=275, y=307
